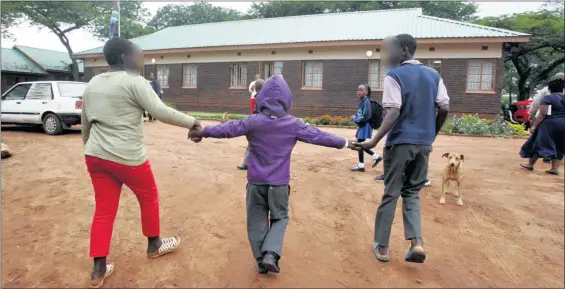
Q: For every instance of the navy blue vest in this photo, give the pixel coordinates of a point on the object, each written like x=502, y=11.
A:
x=417, y=121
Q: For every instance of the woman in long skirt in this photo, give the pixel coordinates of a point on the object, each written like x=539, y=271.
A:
x=548, y=132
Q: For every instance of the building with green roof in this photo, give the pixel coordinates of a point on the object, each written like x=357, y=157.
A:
x=323, y=57
x=21, y=63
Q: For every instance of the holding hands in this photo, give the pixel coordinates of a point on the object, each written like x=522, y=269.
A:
x=194, y=132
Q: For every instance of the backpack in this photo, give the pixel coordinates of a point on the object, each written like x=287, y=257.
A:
x=376, y=115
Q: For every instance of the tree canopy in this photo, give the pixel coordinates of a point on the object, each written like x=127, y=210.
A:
x=537, y=60
x=62, y=17
x=187, y=13
x=456, y=10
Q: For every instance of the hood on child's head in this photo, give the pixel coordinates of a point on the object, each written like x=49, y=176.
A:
x=276, y=99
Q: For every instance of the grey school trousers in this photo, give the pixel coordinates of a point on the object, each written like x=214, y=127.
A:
x=262, y=200
x=406, y=171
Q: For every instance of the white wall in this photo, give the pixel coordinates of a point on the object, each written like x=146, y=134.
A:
x=463, y=50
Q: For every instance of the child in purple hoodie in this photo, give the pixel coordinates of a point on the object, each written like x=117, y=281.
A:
x=272, y=134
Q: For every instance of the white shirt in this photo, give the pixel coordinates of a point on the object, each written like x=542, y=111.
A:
x=252, y=89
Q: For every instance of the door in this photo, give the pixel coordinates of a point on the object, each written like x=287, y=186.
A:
x=12, y=103
x=38, y=100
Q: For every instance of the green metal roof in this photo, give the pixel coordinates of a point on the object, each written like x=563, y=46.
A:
x=15, y=61
x=49, y=59
x=366, y=25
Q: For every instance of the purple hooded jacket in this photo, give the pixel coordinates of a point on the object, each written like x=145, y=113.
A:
x=272, y=134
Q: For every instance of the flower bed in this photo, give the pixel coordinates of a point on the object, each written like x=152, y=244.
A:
x=330, y=120
x=469, y=124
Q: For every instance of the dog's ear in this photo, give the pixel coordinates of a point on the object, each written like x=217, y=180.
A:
x=462, y=158
x=445, y=155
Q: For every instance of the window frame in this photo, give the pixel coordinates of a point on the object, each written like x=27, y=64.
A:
x=272, y=66
x=243, y=85
x=184, y=66
x=426, y=62
x=381, y=75
x=303, y=82
x=21, y=84
x=158, y=78
x=492, y=90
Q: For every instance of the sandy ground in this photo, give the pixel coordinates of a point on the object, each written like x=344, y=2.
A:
x=509, y=233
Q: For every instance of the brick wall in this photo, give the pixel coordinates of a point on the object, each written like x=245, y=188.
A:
x=337, y=97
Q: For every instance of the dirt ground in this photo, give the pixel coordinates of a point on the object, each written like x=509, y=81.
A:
x=509, y=233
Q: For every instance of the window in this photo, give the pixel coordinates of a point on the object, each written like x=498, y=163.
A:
x=163, y=75
x=480, y=75
x=313, y=74
x=189, y=72
x=41, y=91
x=377, y=74
x=71, y=89
x=238, y=75
x=272, y=68
x=18, y=93
x=433, y=63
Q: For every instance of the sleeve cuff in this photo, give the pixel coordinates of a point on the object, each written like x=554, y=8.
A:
x=346, y=144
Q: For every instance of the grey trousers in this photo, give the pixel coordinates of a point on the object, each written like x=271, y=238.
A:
x=262, y=200
x=406, y=171
x=246, y=156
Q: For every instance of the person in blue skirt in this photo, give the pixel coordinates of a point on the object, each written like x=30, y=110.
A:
x=365, y=131
x=548, y=131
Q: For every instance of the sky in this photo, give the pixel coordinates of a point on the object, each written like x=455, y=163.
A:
x=83, y=40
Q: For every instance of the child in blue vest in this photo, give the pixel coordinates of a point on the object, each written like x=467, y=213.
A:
x=365, y=131
x=412, y=95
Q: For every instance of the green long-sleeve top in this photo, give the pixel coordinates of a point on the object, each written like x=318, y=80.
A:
x=112, y=117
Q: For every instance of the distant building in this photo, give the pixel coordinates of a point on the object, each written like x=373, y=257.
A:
x=208, y=67
x=21, y=63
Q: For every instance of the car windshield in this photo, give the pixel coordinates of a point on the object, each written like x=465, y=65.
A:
x=71, y=89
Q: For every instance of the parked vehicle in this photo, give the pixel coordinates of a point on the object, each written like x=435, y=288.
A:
x=56, y=105
x=519, y=112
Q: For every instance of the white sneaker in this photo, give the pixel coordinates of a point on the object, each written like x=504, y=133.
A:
x=428, y=183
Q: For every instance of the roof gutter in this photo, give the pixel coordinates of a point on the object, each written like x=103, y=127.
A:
x=324, y=44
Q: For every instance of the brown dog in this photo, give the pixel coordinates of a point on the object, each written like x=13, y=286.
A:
x=452, y=172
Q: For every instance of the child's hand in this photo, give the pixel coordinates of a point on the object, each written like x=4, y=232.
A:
x=194, y=134
x=351, y=144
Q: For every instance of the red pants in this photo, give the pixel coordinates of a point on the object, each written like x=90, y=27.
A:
x=107, y=179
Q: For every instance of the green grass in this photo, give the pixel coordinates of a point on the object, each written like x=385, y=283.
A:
x=214, y=116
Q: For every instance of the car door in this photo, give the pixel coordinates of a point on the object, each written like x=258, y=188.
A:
x=38, y=100
x=12, y=103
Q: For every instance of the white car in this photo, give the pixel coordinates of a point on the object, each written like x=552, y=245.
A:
x=56, y=105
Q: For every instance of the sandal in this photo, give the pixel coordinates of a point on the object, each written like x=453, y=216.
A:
x=527, y=167
x=552, y=172
x=382, y=258
x=97, y=283
x=168, y=245
x=415, y=256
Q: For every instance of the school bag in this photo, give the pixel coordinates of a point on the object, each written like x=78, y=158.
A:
x=376, y=115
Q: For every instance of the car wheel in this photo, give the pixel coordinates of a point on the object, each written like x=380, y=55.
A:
x=52, y=125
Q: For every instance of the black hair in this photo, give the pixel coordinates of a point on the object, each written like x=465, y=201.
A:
x=556, y=85
x=115, y=48
x=368, y=88
x=406, y=40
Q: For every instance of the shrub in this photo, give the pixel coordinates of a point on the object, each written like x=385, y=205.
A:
x=330, y=120
x=474, y=125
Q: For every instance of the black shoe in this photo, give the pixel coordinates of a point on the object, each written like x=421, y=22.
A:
x=271, y=262
x=380, y=178
x=242, y=167
x=377, y=161
x=260, y=267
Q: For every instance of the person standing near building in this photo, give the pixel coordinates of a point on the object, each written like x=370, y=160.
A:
x=412, y=93
x=535, y=106
x=157, y=88
x=365, y=131
x=253, y=91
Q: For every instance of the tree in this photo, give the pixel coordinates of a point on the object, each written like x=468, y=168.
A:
x=455, y=10
x=187, y=14
x=62, y=17
x=541, y=57
x=133, y=17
